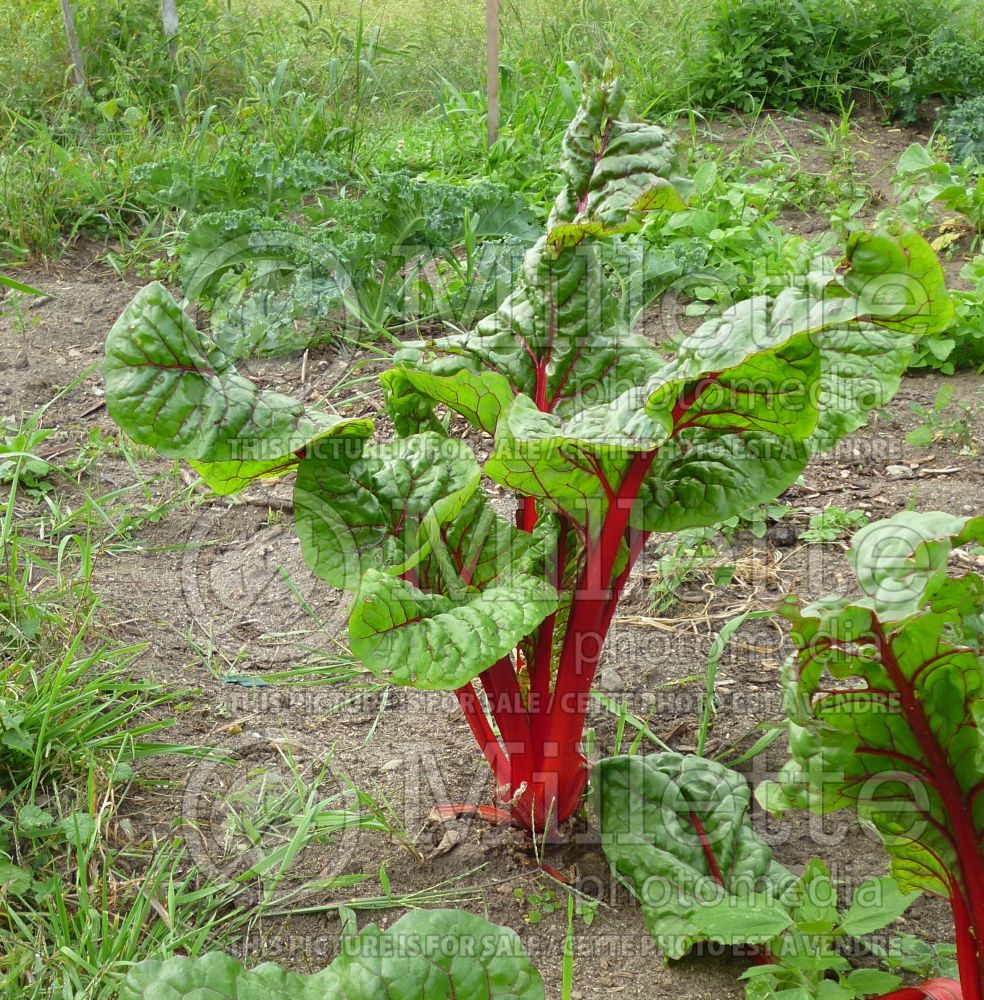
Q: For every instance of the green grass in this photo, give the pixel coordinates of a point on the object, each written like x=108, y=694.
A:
x=389, y=84
x=87, y=888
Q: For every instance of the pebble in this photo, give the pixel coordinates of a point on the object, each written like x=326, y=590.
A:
x=391, y=765
x=610, y=680
x=897, y=470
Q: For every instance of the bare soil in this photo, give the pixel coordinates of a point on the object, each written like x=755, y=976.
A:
x=217, y=591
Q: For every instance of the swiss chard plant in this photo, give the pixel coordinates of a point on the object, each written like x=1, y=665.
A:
x=428, y=953
x=885, y=696
x=600, y=437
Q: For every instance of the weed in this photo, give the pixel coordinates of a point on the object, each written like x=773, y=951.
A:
x=833, y=524
x=945, y=420
x=922, y=182
x=767, y=53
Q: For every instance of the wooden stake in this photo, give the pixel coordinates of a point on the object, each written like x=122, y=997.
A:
x=492, y=85
x=169, y=15
x=78, y=68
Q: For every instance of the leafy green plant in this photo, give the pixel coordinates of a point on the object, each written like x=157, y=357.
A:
x=922, y=181
x=806, y=960
x=832, y=524
x=19, y=460
x=432, y=953
x=909, y=954
x=963, y=130
x=234, y=178
x=961, y=344
x=963, y=340
x=755, y=521
x=950, y=65
x=602, y=439
x=537, y=904
x=884, y=701
x=272, y=286
x=680, y=560
x=678, y=830
x=810, y=53
x=940, y=425
x=724, y=245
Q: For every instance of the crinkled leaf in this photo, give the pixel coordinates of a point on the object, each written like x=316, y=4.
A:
x=437, y=954
x=615, y=168
x=216, y=976
x=166, y=388
x=649, y=810
x=899, y=559
x=430, y=641
x=569, y=464
x=702, y=478
x=359, y=506
x=885, y=719
x=859, y=322
x=563, y=317
x=480, y=397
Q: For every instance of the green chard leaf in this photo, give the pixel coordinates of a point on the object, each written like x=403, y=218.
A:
x=438, y=954
x=677, y=828
x=360, y=505
x=616, y=169
x=884, y=699
x=434, y=642
x=563, y=316
x=166, y=388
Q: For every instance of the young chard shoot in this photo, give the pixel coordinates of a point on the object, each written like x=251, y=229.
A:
x=602, y=439
x=884, y=696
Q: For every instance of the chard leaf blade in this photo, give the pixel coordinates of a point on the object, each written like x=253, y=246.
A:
x=435, y=642
x=439, y=954
x=678, y=829
x=166, y=388
x=896, y=733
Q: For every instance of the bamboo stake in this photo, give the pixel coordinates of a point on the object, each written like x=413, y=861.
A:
x=492, y=58
x=169, y=15
x=78, y=68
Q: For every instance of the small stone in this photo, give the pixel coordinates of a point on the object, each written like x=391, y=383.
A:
x=610, y=680
x=391, y=765
x=897, y=470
